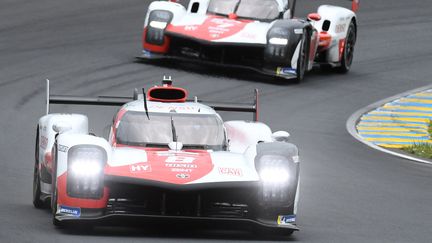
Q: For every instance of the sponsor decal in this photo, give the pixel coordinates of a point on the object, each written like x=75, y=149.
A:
x=146, y=53
x=177, y=167
x=62, y=148
x=183, y=176
x=231, y=171
x=181, y=170
x=70, y=211
x=248, y=35
x=190, y=166
x=176, y=108
x=298, y=31
x=190, y=27
x=136, y=168
x=286, y=71
x=213, y=28
x=340, y=28
x=43, y=142
x=286, y=219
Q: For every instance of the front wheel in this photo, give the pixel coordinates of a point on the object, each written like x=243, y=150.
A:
x=37, y=202
x=302, y=60
x=348, y=51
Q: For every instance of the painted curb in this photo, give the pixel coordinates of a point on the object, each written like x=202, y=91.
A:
x=354, y=119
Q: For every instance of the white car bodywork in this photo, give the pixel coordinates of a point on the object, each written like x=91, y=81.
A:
x=197, y=24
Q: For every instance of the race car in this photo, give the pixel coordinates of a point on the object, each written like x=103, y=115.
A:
x=262, y=35
x=166, y=158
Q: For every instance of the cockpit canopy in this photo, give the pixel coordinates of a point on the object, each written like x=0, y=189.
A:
x=195, y=131
x=249, y=9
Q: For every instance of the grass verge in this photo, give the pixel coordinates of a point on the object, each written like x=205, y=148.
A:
x=423, y=150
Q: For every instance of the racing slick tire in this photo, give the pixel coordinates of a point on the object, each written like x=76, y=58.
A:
x=55, y=221
x=348, y=52
x=37, y=202
x=302, y=61
x=54, y=194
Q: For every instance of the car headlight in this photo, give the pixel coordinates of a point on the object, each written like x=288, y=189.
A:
x=158, y=21
x=85, y=171
x=274, y=170
x=158, y=24
x=278, y=41
x=276, y=176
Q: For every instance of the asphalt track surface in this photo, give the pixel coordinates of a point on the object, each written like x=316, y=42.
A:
x=349, y=192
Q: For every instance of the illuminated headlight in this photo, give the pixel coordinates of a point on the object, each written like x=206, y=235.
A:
x=274, y=169
x=86, y=168
x=85, y=171
x=278, y=41
x=275, y=175
x=158, y=24
x=158, y=21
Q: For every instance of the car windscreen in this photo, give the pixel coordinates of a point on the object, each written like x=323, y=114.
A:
x=195, y=131
x=222, y=7
x=250, y=9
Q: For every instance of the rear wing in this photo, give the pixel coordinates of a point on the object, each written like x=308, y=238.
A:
x=119, y=101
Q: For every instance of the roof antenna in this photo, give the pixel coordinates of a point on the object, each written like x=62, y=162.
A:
x=167, y=81
x=145, y=103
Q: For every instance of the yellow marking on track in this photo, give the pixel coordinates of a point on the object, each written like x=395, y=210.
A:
x=395, y=129
x=386, y=118
x=401, y=113
x=397, y=140
x=393, y=124
x=396, y=146
x=414, y=100
x=395, y=134
x=416, y=108
x=425, y=94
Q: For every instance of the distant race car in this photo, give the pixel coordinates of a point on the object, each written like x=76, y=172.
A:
x=262, y=35
x=167, y=158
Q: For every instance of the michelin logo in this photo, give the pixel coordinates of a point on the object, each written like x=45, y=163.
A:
x=70, y=211
x=286, y=219
x=286, y=71
x=146, y=54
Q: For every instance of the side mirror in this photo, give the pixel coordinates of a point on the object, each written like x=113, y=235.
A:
x=280, y=136
x=314, y=17
x=61, y=127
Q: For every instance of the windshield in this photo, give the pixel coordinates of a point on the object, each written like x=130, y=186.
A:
x=252, y=9
x=194, y=131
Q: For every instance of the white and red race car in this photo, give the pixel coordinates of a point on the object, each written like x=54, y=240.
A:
x=262, y=35
x=166, y=158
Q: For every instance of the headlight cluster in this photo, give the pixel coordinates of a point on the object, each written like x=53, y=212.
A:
x=278, y=39
x=275, y=174
x=86, y=171
x=158, y=21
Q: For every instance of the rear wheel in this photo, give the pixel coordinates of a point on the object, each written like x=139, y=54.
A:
x=348, y=52
x=37, y=202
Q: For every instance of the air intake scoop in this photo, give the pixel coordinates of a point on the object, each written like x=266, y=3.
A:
x=166, y=92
